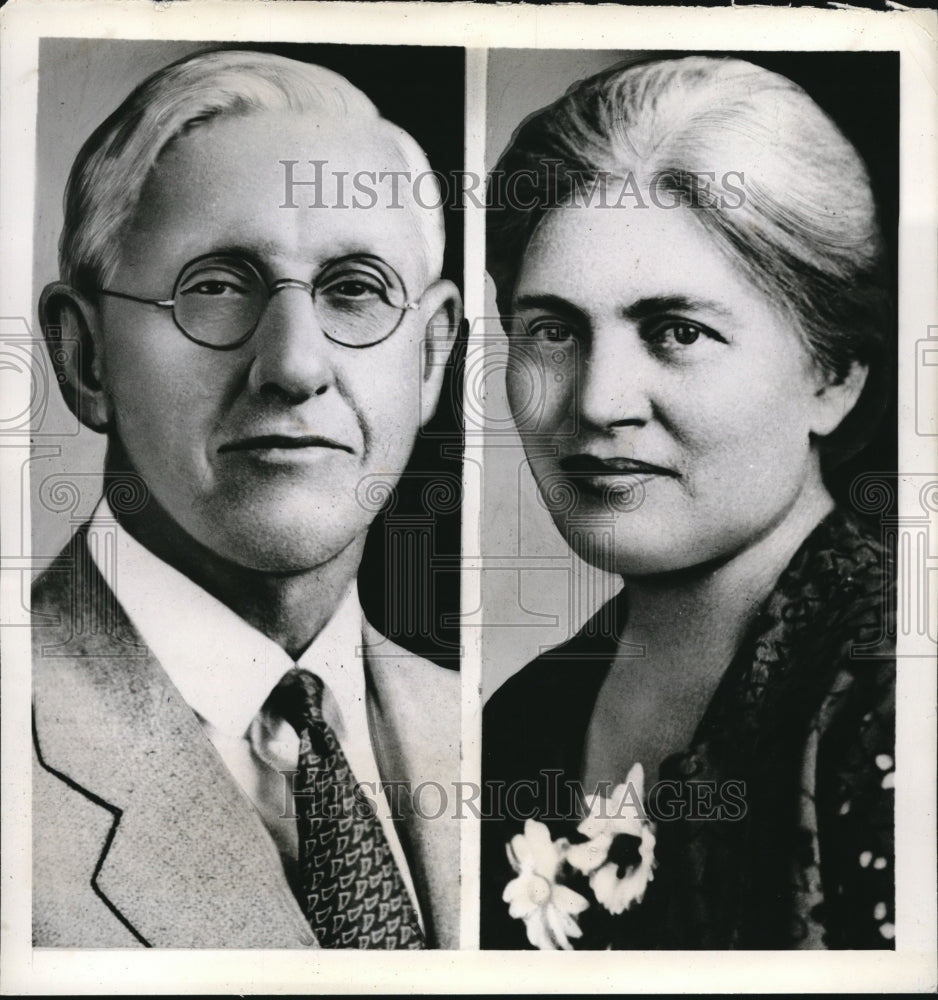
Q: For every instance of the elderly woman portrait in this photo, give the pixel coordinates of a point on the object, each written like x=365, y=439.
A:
x=690, y=271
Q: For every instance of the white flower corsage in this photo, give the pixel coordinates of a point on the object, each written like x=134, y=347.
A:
x=547, y=908
x=618, y=857
x=618, y=879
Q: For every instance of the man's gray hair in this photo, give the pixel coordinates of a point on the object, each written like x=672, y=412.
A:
x=109, y=173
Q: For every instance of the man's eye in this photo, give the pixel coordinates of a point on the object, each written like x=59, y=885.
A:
x=354, y=288
x=214, y=286
x=211, y=288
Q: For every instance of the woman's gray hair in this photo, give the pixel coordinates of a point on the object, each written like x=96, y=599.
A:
x=803, y=227
x=109, y=173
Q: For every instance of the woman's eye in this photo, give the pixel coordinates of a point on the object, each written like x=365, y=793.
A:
x=674, y=333
x=550, y=331
x=686, y=333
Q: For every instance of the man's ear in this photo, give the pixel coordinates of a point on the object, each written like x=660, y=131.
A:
x=444, y=305
x=72, y=332
x=834, y=400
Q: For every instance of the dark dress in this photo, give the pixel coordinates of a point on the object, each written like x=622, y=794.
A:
x=800, y=732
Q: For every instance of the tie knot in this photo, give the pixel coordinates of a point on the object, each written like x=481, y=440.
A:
x=298, y=699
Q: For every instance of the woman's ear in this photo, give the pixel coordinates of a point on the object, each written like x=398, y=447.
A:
x=72, y=331
x=444, y=305
x=835, y=399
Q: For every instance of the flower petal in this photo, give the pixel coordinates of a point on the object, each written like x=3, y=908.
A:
x=562, y=927
x=626, y=810
x=588, y=856
x=538, y=933
x=536, y=834
x=520, y=904
x=636, y=778
x=619, y=894
x=647, y=848
x=519, y=852
x=596, y=825
x=603, y=883
x=544, y=853
x=567, y=900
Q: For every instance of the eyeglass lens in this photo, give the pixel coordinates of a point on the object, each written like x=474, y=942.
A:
x=220, y=300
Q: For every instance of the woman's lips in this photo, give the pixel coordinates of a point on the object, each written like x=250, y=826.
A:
x=619, y=483
x=591, y=466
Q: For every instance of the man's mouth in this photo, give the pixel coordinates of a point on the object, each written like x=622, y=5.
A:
x=275, y=442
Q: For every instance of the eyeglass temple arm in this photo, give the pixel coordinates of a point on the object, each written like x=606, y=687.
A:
x=162, y=303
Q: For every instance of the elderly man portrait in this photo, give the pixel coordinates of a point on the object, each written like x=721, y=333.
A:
x=229, y=759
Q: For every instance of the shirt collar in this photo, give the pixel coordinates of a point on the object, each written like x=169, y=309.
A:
x=223, y=667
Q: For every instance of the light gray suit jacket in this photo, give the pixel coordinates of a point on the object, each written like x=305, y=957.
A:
x=140, y=834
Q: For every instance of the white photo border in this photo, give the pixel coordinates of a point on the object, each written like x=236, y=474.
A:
x=912, y=967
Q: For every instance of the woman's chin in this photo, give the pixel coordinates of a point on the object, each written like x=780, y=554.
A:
x=643, y=553
x=622, y=560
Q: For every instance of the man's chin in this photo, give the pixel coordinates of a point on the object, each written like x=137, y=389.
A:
x=266, y=546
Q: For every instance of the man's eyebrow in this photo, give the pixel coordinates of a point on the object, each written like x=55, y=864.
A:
x=252, y=252
x=657, y=305
x=257, y=253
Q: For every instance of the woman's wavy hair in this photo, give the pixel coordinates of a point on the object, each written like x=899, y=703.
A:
x=806, y=230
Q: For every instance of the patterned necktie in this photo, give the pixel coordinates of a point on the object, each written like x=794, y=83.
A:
x=353, y=893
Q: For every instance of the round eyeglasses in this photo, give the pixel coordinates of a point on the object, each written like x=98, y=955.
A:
x=218, y=300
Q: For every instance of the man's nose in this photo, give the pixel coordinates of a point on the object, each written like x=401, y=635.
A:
x=616, y=379
x=292, y=356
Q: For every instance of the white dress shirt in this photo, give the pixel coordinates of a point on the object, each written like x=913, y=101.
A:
x=225, y=669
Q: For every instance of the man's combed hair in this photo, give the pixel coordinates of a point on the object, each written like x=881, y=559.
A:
x=804, y=230
x=110, y=171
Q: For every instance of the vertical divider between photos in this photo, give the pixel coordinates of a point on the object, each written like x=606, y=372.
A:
x=473, y=465
x=20, y=389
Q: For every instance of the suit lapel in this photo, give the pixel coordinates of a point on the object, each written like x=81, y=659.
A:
x=415, y=731
x=188, y=862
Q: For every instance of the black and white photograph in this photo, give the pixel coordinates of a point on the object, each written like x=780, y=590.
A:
x=694, y=267
x=468, y=487
x=249, y=310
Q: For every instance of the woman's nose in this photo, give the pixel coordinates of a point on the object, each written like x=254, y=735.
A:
x=615, y=379
x=292, y=356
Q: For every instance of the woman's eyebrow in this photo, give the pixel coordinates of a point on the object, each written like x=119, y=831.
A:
x=544, y=300
x=656, y=305
x=641, y=309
